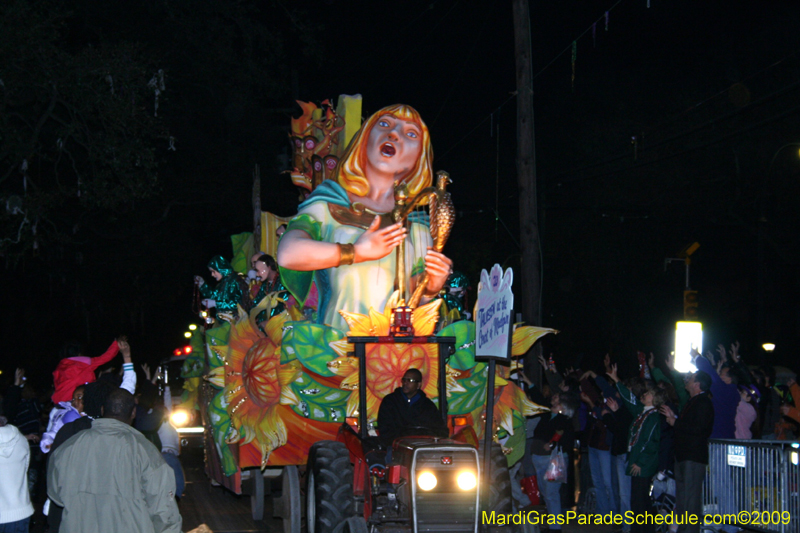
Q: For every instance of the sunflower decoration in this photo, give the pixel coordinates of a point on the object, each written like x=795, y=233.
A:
x=256, y=383
x=386, y=363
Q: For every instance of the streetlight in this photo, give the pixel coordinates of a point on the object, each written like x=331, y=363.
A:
x=768, y=347
x=688, y=336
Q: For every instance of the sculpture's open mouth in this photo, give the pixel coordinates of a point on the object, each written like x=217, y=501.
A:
x=388, y=150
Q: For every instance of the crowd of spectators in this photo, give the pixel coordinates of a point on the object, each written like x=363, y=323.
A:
x=97, y=454
x=629, y=436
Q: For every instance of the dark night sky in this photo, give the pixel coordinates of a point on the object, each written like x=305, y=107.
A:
x=709, y=89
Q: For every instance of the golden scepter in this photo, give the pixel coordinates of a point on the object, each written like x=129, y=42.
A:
x=443, y=216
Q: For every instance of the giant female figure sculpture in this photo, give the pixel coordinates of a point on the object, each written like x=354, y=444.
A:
x=343, y=233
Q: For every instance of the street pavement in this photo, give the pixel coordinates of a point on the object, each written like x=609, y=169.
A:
x=217, y=507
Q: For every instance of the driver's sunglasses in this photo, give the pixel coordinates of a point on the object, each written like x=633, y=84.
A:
x=410, y=380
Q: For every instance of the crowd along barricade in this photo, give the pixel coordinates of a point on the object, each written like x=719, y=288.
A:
x=754, y=480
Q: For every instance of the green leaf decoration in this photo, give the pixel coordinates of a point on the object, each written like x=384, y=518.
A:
x=517, y=440
x=243, y=249
x=461, y=403
x=220, y=426
x=464, y=332
x=219, y=335
x=310, y=344
x=319, y=402
x=215, y=359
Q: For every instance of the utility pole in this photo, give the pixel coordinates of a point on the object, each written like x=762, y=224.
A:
x=530, y=288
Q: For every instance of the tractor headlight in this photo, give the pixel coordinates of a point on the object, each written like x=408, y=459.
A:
x=426, y=481
x=179, y=418
x=466, y=481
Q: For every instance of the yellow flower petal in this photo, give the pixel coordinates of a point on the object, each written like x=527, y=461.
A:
x=217, y=377
x=341, y=347
x=379, y=323
x=504, y=417
x=352, y=404
x=296, y=314
x=525, y=336
x=344, y=366
x=360, y=325
x=274, y=327
x=272, y=430
x=453, y=385
x=350, y=382
x=286, y=374
x=394, y=301
x=425, y=317
x=373, y=404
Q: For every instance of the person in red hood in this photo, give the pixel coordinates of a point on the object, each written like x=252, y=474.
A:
x=75, y=369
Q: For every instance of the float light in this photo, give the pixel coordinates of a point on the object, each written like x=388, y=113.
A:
x=187, y=350
x=177, y=351
x=188, y=334
x=179, y=418
x=192, y=327
x=768, y=347
x=688, y=335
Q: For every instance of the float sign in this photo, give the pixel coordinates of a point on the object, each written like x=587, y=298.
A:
x=493, y=325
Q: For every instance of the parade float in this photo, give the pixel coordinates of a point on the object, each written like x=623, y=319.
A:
x=269, y=389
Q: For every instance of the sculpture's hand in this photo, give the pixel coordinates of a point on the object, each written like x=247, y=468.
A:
x=377, y=243
x=438, y=267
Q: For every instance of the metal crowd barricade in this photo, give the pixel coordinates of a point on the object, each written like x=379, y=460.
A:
x=759, y=477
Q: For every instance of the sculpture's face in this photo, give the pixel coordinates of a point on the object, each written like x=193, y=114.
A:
x=393, y=147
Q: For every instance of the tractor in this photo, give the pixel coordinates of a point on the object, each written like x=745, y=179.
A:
x=435, y=480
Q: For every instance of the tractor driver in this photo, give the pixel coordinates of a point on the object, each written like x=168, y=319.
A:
x=408, y=408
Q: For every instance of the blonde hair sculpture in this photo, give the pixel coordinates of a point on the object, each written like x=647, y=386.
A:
x=350, y=173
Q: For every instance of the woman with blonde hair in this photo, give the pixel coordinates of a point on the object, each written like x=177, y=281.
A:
x=343, y=235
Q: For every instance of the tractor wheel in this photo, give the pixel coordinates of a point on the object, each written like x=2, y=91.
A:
x=330, y=487
x=354, y=524
x=500, y=498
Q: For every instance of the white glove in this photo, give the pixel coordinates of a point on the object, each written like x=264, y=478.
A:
x=209, y=303
x=199, y=281
x=252, y=275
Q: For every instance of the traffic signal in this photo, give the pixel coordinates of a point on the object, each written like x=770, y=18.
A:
x=690, y=305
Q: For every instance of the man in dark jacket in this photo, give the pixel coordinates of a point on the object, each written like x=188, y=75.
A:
x=407, y=407
x=692, y=430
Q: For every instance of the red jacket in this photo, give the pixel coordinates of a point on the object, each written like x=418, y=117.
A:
x=72, y=373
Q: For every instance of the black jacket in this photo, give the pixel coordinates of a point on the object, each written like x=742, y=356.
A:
x=546, y=429
x=619, y=422
x=398, y=413
x=693, y=429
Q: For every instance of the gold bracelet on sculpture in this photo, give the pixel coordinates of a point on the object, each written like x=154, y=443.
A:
x=347, y=254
